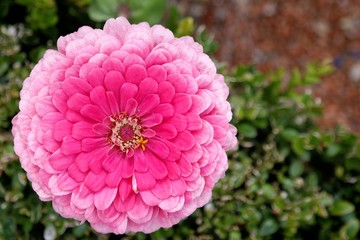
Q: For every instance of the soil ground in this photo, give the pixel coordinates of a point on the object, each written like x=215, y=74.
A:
x=291, y=33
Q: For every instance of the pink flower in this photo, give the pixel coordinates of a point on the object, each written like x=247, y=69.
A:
x=124, y=127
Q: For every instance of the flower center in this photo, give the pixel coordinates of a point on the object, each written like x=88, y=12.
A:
x=126, y=132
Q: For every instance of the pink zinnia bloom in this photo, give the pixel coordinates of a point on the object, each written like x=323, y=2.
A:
x=124, y=127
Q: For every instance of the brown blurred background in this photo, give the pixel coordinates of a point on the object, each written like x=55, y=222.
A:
x=291, y=33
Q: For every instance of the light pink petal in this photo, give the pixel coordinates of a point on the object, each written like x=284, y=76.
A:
x=127, y=204
x=194, y=121
x=74, y=85
x=169, y=203
x=178, y=187
x=82, y=197
x=149, y=198
x=104, y=198
x=139, y=211
x=75, y=173
x=66, y=183
x=59, y=100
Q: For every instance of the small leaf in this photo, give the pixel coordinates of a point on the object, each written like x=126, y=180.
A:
x=268, y=227
x=247, y=130
x=296, y=168
x=341, y=208
x=350, y=228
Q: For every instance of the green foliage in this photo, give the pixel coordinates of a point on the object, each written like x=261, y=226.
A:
x=287, y=179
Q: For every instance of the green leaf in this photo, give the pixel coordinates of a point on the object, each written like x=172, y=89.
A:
x=352, y=164
x=268, y=227
x=350, y=228
x=247, y=130
x=101, y=10
x=333, y=150
x=296, y=168
x=341, y=208
x=149, y=11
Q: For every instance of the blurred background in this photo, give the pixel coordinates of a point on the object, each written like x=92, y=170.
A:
x=294, y=72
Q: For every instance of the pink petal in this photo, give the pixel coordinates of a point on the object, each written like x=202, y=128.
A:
x=145, y=181
x=179, y=121
x=157, y=72
x=205, y=135
x=184, y=140
x=70, y=146
x=140, y=162
x=179, y=82
x=82, y=161
x=82, y=197
x=173, y=170
x=92, y=112
x=148, y=104
x=125, y=189
x=146, y=87
x=113, y=64
x=131, y=106
x=126, y=205
x=194, y=122
x=77, y=100
x=156, y=167
x=162, y=189
x=113, y=82
x=74, y=85
x=61, y=129
x=139, y=211
x=195, y=153
x=166, y=92
x=113, y=103
x=75, y=173
x=127, y=167
x=152, y=120
x=83, y=130
x=99, y=98
x=149, y=198
x=158, y=148
x=165, y=109
x=66, y=183
x=111, y=162
x=104, y=198
x=59, y=161
x=135, y=73
x=167, y=131
x=97, y=157
x=185, y=166
x=169, y=203
x=59, y=99
x=89, y=144
x=127, y=91
x=96, y=77
x=95, y=182
x=182, y=102
x=178, y=187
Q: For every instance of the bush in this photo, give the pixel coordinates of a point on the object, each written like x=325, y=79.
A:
x=288, y=179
